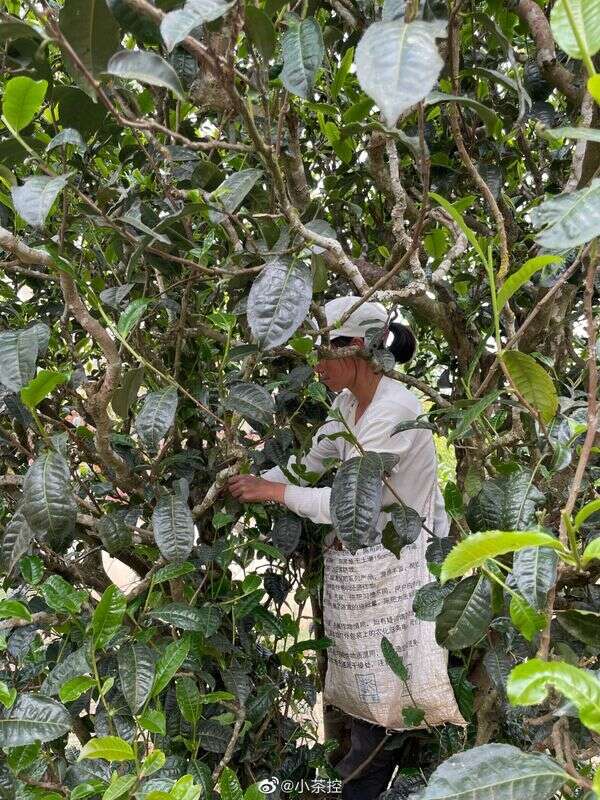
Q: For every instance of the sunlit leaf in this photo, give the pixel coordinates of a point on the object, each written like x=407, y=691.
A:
x=398, y=64
x=23, y=98
x=302, y=55
x=108, y=616
x=44, y=383
x=34, y=199
x=587, y=20
x=514, y=281
x=532, y=382
x=569, y=219
x=111, y=748
x=529, y=683
x=145, y=67
x=132, y=315
x=474, y=550
x=525, y=618
x=176, y=25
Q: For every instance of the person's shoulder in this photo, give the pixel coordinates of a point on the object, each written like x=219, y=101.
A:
x=342, y=399
x=341, y=404
x=397, y=401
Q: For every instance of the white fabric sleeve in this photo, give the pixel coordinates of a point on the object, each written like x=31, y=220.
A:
x=310, y=503
x=377, y=438
x=441, y=520
x=321, y=448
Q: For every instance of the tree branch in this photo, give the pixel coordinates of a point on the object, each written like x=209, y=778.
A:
x=555, y=73
x=26, y=255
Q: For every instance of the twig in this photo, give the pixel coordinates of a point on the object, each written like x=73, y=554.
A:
x=53, y=29
x=41, y=619
x=533, y=314
x=25, y=254
x=227, y=755
x=587, y=113
x=99, y=398
x=454, y=117
x=14, y=266
x=592, y=395
x=47, y=785
x=588, y=443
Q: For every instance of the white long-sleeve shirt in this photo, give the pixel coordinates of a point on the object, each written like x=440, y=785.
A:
x=413, y=477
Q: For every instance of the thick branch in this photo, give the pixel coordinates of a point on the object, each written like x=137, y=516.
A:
x=98, y=403
x=99, y=399
x=25, y=254
x=210, y=498
x=14, y=266
x=554, y=72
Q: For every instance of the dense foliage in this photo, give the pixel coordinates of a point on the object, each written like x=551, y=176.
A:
x=180, y=191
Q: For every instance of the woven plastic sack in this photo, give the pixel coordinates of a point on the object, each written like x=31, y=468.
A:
x=367, y=596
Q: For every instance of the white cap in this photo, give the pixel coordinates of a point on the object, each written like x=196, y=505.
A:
x=368, y=315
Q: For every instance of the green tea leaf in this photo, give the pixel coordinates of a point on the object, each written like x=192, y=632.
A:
x=132, y=315
x=119, y=786
x=61, y=596
x=526, y=619
x=529, y=683
x=474, y=550
x=153, y=720
x=168, y=664
x=14, y=608
x=517, y=279
x=32, y=718
x=587, y=20
x=393, y=660
x=146, y=67
x=111, y=748
x=75, y=687
x=153, y=762
x=23, y=98
x=532, y=382
x=108, y=616
x=303, y=53
x=7, y=696
x=41, y=386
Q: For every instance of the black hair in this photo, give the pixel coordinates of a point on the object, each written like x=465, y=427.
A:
x=404, y=343
x=402, y=347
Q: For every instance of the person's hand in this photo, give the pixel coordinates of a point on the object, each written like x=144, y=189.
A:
x=251, y=489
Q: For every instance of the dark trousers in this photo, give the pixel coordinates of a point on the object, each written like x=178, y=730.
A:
x=357, y=740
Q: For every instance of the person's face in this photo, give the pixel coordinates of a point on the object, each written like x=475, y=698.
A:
x=338, y=373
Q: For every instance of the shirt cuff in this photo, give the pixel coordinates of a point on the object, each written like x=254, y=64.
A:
x=275, y=474
x=295, y=498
